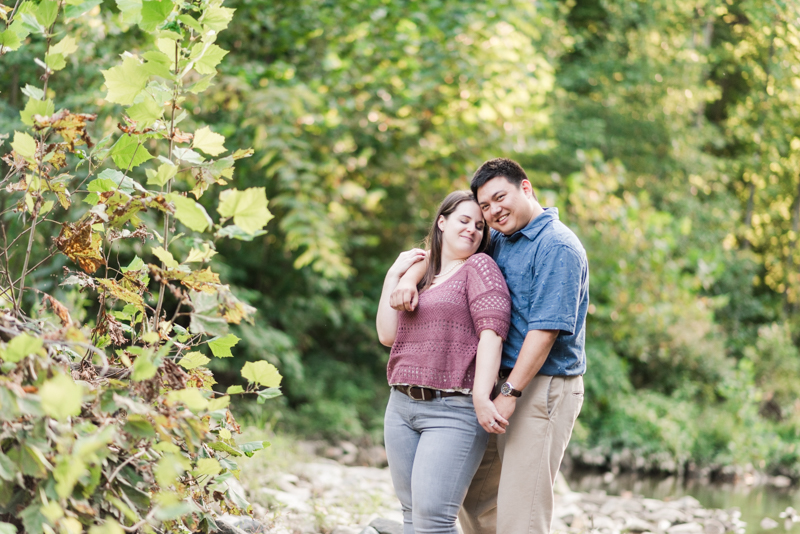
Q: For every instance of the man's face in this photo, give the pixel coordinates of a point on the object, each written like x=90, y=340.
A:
x=506, y=207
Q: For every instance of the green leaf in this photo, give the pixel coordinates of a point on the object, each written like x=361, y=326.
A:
x=189, y=212
x=219, y=403
x=127, y=152
x=45, y=108
x=33, y=92
x=144, y=368
x=24, y=145
x=139, y=427
x=208, y=466
x=201, y=85
x=206, y=57
x=124, y=82
x=61, y=397
x=233, y=390
x=9, y=40
x=56, y=62
x=165, y=256
x=217, y=18
x=145, y=113
x=154, y=12
x=191, y=22
x=224, y=447
x=234, y=232
x=46, y=13
x=7, y=468
x=66, y=46
x=266, y=394
x=22, y=346
x=191, y=397
x=66, y=474
x=75, y=9
x=263, y=373
x=193, y=359
x=131, y=11
x=7, y=528
x=165, y=173
x=221, y=346
x=32, y=518
x=251, y=447
x=108, y=527
x=208, y=141
x=248, y=208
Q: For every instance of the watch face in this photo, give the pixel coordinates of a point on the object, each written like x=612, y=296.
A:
x=505, y=389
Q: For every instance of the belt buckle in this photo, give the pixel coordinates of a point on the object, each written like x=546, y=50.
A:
x=421, y=393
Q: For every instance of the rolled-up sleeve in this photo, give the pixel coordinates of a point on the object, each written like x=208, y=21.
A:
x=556, y=290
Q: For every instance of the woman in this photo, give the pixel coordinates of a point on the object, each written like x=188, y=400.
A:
x=442, y=368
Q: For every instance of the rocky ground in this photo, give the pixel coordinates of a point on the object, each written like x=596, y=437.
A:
x=295, y=491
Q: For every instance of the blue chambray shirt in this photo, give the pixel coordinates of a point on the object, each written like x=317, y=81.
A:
x=547, y=273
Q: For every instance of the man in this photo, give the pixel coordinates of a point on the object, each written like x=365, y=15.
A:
x=541, y=374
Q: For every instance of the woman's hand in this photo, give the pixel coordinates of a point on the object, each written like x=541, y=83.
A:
x=404, y=261
x=488, y=416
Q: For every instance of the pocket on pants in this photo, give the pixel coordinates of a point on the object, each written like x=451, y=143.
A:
x=459, y=402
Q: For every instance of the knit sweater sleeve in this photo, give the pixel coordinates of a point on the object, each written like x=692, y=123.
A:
x=487, y=294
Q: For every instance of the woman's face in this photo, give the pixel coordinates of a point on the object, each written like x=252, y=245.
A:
x=462, y=230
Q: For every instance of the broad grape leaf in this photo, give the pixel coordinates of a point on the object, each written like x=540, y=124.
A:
x=131, y=11
x=46, y=13
x=206, y=57
x=81, y=245
x=36, y=107
x=145, y=113
x=165, y=256
x=193, y=359
x=70, y=126
x=61, y=397
x=262, y=373
x=221, y=346
x=66, y=46
x=125, y=81
x=129, y=152
x=208, y=141
x=196, y=255
x=217, y=18
x=21, y=346
x=190, y=212
x=154, y=12
x=248, y=208
x=166, y=172
x=24, y=145
x=9, y=40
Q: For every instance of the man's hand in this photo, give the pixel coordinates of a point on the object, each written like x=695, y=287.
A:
x=505, y=406
x=405, y=296
x=488, y=416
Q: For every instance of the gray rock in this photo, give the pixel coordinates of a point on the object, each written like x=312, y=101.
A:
x=386, y=526
x=347, y=530
x=712, y=526
x=634, y=524
x=225, y=527
x=245, y=523
x=673, y=515
x=768, y=523
x=686, y=528
x=369, y=530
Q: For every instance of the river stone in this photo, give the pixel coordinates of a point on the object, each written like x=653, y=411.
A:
x=712, y=526
x=672, y=515
x=225, y=527
x=686, y=528
x=615, y=505
x=386, y=526
x=289, y=500
x=634, y=524
x=347, y=530
x=768, y=523
x=369, y=530
x=685, y=503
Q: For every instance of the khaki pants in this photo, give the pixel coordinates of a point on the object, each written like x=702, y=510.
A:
x=512, y=492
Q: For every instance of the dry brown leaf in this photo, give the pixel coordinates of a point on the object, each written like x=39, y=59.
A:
x=81, y=245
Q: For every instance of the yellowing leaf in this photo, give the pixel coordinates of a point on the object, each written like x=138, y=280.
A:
x=217, y=18
x=68, y=45
x=61, y=397
x=24, y=145
x=125, y=81
x=108, y=527
x=190, y=212
x=112, y=288
x=193, y=359
x=206, y=57
x=208, y=141
x=218, y=404
x=200, y=255
x=21, y=346
x=208, y=466
x=166, y=171
x=33, y=107
x=248, y=208
x=165, y=256
x=263, y=373
x=221, y=346
x=191, y=397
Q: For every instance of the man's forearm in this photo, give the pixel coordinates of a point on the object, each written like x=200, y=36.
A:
x=532, y=356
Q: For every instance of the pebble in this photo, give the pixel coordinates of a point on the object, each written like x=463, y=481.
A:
x=327, y=496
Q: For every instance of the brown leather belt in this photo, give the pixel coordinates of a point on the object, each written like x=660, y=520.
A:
x=426, y=394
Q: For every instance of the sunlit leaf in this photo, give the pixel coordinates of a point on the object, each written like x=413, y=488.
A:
x=262, y=373
x=165, y=256
x=129, y=152
x=154, y=12
x=206, y=57
x=66, y=46
x=189, y=212
x=145, y=113
x=191, y=397
x=221, y=346
x=166, y=171
x=36, y=107
x=248, y=208
x=209, y=142
x=125, y=81
x=232, y=390
x=21, y=346
x=24, y=145
x=131, y=10
x=217, y=18
x=61, y=397
x=193, y=359
x=196, y=255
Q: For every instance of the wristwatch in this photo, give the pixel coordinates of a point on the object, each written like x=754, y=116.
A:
x=508, y=390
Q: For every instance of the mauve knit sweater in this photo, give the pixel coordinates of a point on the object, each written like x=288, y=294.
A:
x=436, y=344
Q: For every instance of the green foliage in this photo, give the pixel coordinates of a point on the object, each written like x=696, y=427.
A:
x=112, y=424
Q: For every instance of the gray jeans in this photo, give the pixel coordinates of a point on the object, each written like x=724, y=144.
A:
x=434, y=448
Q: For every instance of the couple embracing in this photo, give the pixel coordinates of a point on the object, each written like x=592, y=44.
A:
x=487, y=359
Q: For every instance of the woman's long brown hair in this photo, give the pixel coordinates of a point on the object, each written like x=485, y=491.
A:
x=434, y=239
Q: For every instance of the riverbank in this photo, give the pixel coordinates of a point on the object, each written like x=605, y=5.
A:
x=296, y=491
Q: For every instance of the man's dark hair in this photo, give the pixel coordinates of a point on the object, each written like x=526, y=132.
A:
x=507, y=168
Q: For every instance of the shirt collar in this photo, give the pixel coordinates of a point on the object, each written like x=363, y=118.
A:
x=536, y=225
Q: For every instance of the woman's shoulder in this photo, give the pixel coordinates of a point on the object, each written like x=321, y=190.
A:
x=481, y=260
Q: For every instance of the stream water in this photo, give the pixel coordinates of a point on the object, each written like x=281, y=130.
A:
x=755, y=502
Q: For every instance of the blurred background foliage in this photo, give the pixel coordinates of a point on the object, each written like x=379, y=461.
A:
x=666, y=131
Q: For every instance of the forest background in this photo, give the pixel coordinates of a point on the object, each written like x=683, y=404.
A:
x=665, y=131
